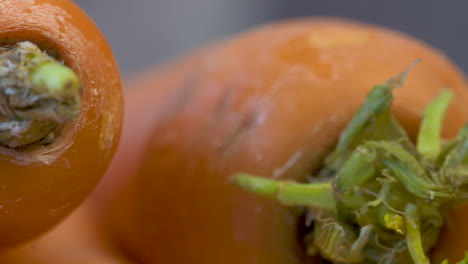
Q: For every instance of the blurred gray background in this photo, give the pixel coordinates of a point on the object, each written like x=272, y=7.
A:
x=146, y=32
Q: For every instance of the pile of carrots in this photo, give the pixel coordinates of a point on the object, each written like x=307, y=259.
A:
x=271, y=101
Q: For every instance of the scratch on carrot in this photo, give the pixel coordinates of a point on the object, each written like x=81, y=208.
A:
x=288, y=164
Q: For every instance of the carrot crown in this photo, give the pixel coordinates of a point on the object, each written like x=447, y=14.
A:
x=379, y=198
x=38, y=95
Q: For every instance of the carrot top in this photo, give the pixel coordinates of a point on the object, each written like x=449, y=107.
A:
x=379, y=198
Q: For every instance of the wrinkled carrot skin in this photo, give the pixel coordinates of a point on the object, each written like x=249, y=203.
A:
x=271, y=101
x=39, y=188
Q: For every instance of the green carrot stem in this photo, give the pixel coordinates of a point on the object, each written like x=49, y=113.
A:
x=378, y=100
x=317, y=195
x=413, y=235
x=429, y=142
x=360, y=243
x=358, y=169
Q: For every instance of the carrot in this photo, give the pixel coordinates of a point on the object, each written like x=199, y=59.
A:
x=270, y=102
x=60, y=117
x=76, y=240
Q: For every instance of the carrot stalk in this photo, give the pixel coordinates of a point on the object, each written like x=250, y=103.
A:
x=429, y=142
x=317, y=195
